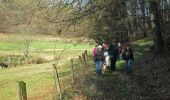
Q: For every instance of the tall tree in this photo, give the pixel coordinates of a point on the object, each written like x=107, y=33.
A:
x=156, y=25
x=143, y=8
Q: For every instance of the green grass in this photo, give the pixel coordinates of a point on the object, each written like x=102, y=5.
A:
x=14, y=42
x=36, y=77
x=144, y=42
x=41, y=45
x=120, y=64
x=7, y=46
x=142, y=47
x=39, y=78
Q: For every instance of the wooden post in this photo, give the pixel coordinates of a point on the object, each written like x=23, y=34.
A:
x=72, y=71
x=9, y=61
x=81, y=62
x=22, y=93
x=19, y=61
x=57, y=82
x=86, y=55
x=84, y=59
x=83, y=69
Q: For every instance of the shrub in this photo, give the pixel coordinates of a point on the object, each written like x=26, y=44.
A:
x=37, y=60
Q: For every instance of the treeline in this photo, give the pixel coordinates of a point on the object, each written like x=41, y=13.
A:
x=97, y=19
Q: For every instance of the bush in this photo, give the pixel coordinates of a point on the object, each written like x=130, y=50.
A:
x=37, y=60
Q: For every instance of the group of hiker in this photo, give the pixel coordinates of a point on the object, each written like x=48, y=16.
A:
x=108, y=53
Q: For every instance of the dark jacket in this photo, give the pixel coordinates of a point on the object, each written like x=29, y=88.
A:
x=99, y=55
x=128, y=54
x=113, y=51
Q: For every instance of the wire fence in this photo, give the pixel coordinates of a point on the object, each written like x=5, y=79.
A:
x=39, y=87
x=43, y=88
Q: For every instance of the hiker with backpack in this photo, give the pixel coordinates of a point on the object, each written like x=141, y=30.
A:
x=94, y=52
x=127, y=56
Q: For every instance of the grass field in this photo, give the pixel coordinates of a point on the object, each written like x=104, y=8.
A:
x=15, y=42
x=39, y=78
x=42, y=46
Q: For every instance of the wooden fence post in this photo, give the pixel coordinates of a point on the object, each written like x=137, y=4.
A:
x=72, y=71
x=19, y=60
x=22, y=92
x=83, y=68
x=81, y=62
x=86, y=55
x=9, y=61
x=84, y=59
x=57, y=81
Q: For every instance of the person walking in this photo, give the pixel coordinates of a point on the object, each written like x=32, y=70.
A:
x=99, y=60
x=128, y=57
x=113, y=54
x=94, y=52
x=106, y=54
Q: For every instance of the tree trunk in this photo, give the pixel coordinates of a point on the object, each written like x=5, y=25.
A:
x=143, y=18
x=133, y=15
x=156, y=26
